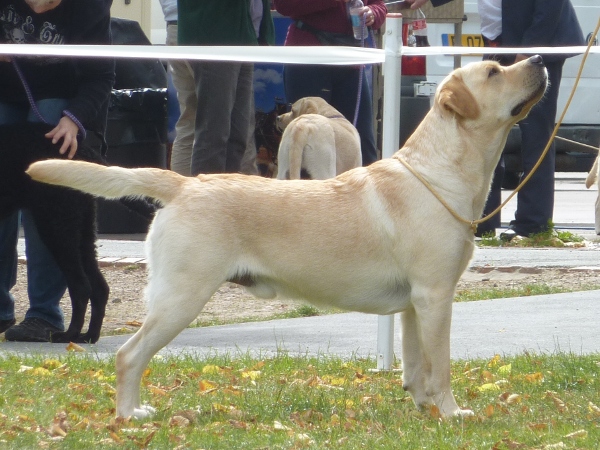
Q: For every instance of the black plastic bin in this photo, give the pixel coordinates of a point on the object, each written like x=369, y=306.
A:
x=136, y=135
x=136, y=131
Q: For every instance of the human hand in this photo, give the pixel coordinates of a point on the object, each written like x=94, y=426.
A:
x=416, y=4
x=367, y=13
x=67, y=131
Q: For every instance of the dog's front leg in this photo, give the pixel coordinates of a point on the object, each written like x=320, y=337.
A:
x=429, y=329
x=415, y=369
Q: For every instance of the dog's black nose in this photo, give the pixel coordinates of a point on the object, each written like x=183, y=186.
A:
x=537, y=59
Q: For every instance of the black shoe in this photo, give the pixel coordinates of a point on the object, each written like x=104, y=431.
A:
x=31, y=330
x=509, y=234
x=6, y=324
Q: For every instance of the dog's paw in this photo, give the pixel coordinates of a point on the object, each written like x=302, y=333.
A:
x=87, y=338
x=143, y=412
x=62, y=337
x=463, y=413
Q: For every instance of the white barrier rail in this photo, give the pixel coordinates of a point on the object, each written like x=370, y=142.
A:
x=276, y=54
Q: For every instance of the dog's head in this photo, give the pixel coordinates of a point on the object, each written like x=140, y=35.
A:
x=306, y=105
x=490, y=94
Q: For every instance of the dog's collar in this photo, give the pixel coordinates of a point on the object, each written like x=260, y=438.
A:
x=336, y=116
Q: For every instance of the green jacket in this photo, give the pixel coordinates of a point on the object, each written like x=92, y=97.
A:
x=222, y=22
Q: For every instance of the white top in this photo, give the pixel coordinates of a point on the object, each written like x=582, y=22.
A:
x=169, y=8
x=490, y=12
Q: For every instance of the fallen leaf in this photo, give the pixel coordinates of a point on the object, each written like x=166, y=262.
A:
x=505, y=370
x=534, y=377
x=593, y=409
x=210, y=369
x=278, y=426
x=73, y=347
x=538, y=426
x=513, y=399
x=179, y=421
x=576, y=434
x=488, y=387
x=207, y=386
x=134, y=323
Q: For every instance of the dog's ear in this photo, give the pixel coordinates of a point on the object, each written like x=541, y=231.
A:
x=310, y=107
x=455, y=96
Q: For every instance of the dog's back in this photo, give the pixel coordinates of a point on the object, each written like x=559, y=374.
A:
x=308, y=144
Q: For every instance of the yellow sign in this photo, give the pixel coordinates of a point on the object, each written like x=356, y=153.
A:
x=466, y=40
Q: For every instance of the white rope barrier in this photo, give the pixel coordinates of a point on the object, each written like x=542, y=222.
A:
x=272, y=54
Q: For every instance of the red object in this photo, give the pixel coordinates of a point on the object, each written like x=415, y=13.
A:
x=412, y=65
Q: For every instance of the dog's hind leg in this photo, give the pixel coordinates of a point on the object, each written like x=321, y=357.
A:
x=99, y=287
x=61, y=237
x=173, y=305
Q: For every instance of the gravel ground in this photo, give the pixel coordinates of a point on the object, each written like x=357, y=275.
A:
x=126, y=308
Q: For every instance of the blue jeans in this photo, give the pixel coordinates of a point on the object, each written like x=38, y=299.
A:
x=46, y=283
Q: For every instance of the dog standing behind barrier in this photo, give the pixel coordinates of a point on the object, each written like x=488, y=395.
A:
x=318, y=142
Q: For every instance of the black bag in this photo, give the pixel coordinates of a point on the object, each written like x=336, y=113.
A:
x=328, y=38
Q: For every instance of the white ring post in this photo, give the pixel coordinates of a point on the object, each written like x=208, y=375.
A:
x=390, y=143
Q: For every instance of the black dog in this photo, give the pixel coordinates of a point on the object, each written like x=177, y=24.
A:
x=65, y=220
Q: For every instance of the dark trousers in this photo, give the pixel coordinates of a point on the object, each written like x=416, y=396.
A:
x=339, y=87
x=535, y=201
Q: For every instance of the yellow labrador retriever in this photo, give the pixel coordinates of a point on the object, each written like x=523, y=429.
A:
x=373, y=239
x=317, y=142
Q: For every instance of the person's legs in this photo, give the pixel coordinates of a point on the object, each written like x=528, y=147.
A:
x=216, y=90
x=183, y=80
x=493, y=201
x=535, y=201
x=248, y=164
x=344, y=96
x=9, y=232
x=306, y=81
x=243, y=109
x=45, y=282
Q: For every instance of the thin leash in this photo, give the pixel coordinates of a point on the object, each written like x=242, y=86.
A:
x=473, y=223
x=30, y=99
x=38, y=113
x=362, y=69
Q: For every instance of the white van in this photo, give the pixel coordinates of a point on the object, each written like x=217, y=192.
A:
x=582, y=121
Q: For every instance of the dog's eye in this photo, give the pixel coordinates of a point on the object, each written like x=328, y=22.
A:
x=493, y=71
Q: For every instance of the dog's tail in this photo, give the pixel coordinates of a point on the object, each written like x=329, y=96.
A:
x=108, y=182
x=296, y=152
x=592, y=175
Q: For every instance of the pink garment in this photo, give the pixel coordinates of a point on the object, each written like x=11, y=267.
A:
x=326, y=15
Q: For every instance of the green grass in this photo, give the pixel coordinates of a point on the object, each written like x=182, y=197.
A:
x=468, y=295
x=236, y=402
x=299, y=311
x=550, y=238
